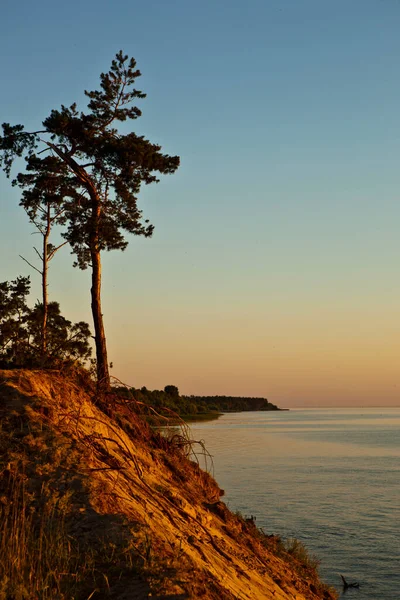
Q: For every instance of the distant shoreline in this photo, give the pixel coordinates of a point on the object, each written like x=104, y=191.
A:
x=213, y=416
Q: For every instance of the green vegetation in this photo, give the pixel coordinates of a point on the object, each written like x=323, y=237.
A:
x=44, y=189
x=21, y=331
x=87, y=182
x=167, y=402
x=230, y=403
x=192, y=407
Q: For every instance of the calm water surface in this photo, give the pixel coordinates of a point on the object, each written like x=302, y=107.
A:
x=328, y=477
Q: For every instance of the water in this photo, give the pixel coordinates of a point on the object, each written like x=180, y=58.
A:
x=329, y=477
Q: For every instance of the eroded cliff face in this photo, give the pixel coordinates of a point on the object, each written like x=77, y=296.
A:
x=150, y=519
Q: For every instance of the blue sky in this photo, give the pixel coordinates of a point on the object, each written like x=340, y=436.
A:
x=274, y=266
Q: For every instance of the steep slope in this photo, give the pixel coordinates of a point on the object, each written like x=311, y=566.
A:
x=150, y=520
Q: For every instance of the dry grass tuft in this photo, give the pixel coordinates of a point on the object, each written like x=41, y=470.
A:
x=38, y=558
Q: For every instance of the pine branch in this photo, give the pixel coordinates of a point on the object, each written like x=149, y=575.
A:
x=52, y=253
x=38, y=253
x=44, y=150
x=30, y=264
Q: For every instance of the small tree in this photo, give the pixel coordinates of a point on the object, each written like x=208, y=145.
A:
x=21, y=331
x=66, y=341
x=46, y=188
x=172, y=390
x=107, y=169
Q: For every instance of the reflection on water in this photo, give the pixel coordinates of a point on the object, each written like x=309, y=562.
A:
x=328, y=477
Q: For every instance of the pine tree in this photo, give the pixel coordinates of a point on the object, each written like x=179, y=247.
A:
x=21, y=331
x=106, y=168
x=47, y=189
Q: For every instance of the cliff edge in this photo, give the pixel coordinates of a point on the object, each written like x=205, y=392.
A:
x=94, y=504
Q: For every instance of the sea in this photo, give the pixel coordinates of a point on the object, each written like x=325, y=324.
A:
x=329, y=477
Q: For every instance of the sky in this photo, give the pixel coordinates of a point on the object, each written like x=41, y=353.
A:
x=273, y=269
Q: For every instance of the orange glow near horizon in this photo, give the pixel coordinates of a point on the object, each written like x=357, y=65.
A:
x=292, y=362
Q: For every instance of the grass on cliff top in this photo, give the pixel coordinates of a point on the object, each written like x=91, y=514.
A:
x=39, y=558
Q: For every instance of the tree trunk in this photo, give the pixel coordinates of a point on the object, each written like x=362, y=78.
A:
x=103, y=376
x=45, y=300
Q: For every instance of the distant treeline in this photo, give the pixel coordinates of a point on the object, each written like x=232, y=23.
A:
x=170, y=398
x=231, y=403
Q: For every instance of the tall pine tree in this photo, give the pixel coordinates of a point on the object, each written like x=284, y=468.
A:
x=106, y=168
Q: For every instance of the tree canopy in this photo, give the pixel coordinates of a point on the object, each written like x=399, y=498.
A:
x=95, y=171
x=46, y=191
x=20, y=331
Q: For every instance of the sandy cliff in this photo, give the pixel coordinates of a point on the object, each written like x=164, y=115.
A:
x=116, y=485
